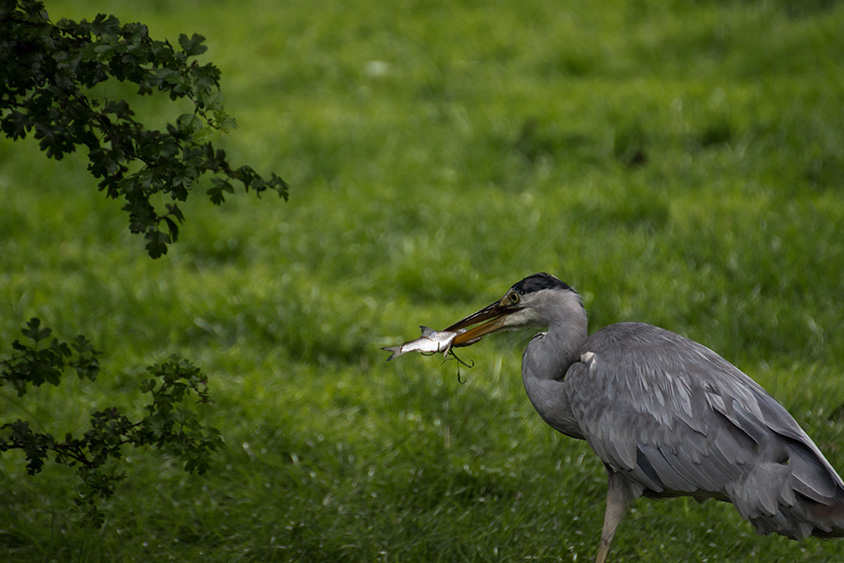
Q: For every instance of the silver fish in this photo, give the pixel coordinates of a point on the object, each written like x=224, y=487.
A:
x=431, y=342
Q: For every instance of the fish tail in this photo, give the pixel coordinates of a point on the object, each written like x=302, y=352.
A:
x=396, y=351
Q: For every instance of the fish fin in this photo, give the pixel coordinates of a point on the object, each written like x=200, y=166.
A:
x=426, y=329
x=396, y=351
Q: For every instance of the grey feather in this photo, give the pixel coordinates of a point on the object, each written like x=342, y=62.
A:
x=698, y=426
x=666, y=415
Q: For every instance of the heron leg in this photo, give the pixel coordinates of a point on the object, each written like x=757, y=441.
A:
x=618, y=498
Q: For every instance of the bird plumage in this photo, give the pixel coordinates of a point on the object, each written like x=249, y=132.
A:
x=675, y=418
x=667, y=416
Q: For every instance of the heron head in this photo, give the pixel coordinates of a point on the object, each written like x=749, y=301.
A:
x=529, y=303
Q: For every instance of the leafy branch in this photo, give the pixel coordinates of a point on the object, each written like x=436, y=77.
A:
x=167, y=425
x=46, y=72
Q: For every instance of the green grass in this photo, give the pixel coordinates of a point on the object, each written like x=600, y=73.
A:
x=678, y=163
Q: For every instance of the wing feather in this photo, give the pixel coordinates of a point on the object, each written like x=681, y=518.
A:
x=679, y=419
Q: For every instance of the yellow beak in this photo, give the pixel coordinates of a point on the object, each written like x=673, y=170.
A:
x=491, y=318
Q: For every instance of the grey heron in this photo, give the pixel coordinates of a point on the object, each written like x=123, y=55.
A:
x=666, y=415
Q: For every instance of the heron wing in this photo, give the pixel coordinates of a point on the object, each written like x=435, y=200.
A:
x=677, y=418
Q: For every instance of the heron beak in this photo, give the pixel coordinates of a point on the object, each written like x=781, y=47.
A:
x=477, y=325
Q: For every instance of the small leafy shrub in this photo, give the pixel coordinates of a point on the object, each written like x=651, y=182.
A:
x=168, y=424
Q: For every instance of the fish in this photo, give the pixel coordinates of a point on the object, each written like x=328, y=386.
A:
x=431, y=342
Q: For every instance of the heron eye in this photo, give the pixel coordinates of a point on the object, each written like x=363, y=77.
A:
x=514, y=298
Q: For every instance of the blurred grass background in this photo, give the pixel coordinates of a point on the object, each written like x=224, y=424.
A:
x=678, y=163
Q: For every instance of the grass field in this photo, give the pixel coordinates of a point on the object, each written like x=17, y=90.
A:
x=679, y=163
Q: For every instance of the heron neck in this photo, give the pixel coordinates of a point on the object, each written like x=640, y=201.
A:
x=568, y=329
x=559, y=347
x=544, y=365
x=564, y=340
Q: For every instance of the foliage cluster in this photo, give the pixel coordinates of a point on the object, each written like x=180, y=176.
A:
x=48, y=72
x=167, y=424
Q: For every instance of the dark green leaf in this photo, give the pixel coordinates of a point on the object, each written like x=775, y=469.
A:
x=192, y=46
x=34, y=331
